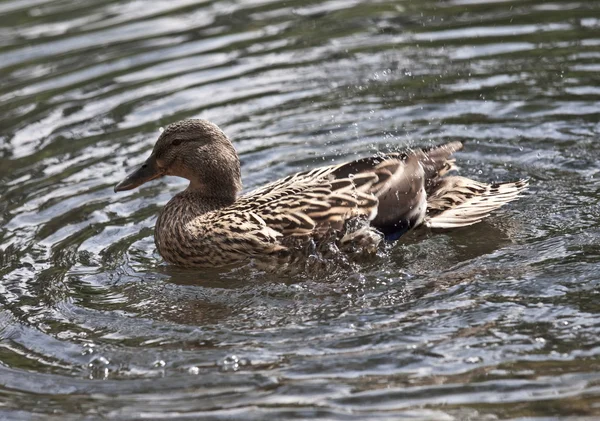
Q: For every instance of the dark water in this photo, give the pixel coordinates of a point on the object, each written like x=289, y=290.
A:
x=500, y=320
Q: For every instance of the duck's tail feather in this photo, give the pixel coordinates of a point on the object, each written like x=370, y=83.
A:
x=458, y=201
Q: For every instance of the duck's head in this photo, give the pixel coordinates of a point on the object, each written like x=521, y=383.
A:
x=197, y=150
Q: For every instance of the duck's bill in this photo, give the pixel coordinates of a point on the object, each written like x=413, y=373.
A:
x=148, y=171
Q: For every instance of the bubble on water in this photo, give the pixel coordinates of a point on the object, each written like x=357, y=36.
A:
x=194, y=370
x=480, y=172
x=540, y=340
x=159, y=363
x=98, y=366
x=232, y=363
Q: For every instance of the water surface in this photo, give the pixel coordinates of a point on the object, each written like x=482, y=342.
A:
x=500, y=320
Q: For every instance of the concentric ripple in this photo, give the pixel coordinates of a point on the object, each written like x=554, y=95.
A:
x=499, y=320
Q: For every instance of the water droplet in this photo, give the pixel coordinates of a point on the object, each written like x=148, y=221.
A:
x=232, y=363
x=161, y=129
x=88, y=349
x=99, y=360
x=159, y=363
x=98, y=366
x=231, y=359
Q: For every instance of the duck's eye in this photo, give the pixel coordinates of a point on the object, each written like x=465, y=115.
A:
x=177, y=142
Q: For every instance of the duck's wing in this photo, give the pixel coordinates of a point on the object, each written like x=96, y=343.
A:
x=387, y=190
x=306, y=204
x=403, y=197
x=313, y=201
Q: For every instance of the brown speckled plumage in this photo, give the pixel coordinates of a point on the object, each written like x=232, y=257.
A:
x=209, y=225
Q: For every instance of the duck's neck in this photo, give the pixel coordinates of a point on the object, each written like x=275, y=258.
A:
x=214, y=177
x=222, y=196
x=208, y=200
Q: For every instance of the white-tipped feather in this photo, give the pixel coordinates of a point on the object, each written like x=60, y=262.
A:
x=459, y=202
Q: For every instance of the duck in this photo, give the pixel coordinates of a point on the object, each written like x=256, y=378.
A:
x=353, y=205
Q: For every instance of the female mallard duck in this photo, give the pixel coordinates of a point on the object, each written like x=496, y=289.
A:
x=209, y=225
